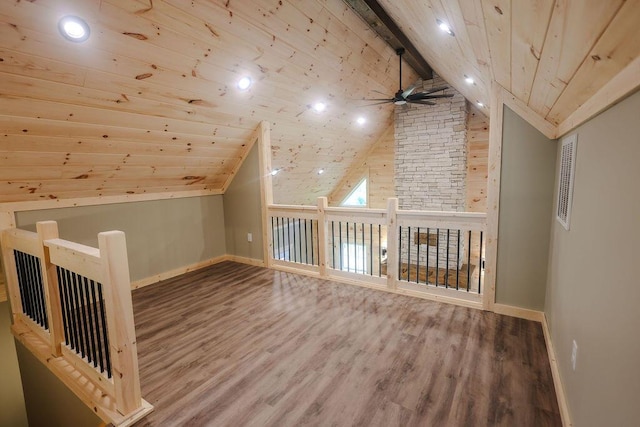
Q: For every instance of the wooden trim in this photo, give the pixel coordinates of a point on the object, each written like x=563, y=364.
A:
x=401, y=290
x=323, y=226
x=102, y=200
x=87, y=370
x=7, y=220
x=81, y=259
x=121, y=325
x=49, y=230
x=392, y=243
x=493, y=195
x=266, y=186
x=522, y=313
x=177, y=271
x=625, y=83
x=547, y=128
x=245, y=260
x=81, y=386
x=565, y=415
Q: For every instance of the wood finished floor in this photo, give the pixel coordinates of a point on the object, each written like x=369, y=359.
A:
x=236, y=345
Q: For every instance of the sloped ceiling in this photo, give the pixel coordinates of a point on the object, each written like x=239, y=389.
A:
x=149, y=103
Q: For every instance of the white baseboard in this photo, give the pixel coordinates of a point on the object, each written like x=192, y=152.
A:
x=176, y=272
x=555, y=371
x=244, y=260
x=195, y=266
x=522, y=313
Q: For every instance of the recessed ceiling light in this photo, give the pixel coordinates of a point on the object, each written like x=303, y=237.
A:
x=320, y=171
x=361, y=120
x=445, y=27
x=479, y=104
x=469, y=80
x=275, y=172
x=319, y=107
x=74, y=29
x=244, y=83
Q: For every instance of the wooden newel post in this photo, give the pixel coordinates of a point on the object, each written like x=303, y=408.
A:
x=49, y=230
x=392, y=243
x=322, y=235
x=119, y=310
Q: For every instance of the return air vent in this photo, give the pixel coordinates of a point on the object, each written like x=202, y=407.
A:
x=565, y=180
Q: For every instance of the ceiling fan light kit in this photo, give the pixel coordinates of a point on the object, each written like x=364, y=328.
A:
x=403, y=97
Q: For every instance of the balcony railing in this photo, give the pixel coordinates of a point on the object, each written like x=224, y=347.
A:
x=423, y=253
x=72, y=309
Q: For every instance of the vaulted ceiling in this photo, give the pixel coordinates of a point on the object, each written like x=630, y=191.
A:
x=149, y=103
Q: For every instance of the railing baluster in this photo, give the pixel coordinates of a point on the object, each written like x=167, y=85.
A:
x=400, y=257
x=90, y=317
x=364, y=252
x=85, y=323
x=480, y=264
x=428, y=252
x=63, y=305
x=333, y=246
x=446, y=274
x=306, y=244
x=408, y=254
x=105, y=339
x=299, y=239
x=418, y=258
x=347, y=257
x=437, y=255
x=458, y=261
x=379, y=250
x=469, y=263
x=72, y=325
x=78, y=314
x=273, y=239
x=370, y=248
x=99, y=329
x=340, y=241
x=280, y=237
x=31, y=284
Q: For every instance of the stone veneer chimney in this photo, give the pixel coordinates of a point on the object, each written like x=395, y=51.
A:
x=430, y=152
x=431, y=166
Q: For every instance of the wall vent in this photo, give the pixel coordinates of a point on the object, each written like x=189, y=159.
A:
x=565, y=180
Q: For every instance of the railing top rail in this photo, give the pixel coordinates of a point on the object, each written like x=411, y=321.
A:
x=75, y=257
x=355, y=211
x=22, y=240
x=449, y=215
x=302, y=208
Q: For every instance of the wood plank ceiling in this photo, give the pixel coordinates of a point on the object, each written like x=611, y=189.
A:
x=149, y=103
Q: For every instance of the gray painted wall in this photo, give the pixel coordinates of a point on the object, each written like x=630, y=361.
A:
x=12, y=409
x=593, y=292
x=242, y=210
x=526, y=203
x=162, y=235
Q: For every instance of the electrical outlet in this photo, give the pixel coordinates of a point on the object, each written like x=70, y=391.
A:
x=249, y=237
x=574, y=355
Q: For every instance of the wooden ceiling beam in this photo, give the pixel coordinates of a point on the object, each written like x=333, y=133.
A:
x=377, y=18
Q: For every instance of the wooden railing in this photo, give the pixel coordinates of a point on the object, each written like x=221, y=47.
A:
x=437, y=255
x=71, y=307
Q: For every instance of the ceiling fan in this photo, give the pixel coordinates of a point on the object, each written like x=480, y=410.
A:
x=407, y=96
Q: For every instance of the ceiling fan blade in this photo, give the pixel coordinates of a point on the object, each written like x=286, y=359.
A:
x=417, y=101
x=409, y=91
x=436, y=89
x=377, y=91
x=423, y=95
x=377, y=103
x=377, y=99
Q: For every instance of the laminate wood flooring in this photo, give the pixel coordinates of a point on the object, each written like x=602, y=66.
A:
x=237, y=345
